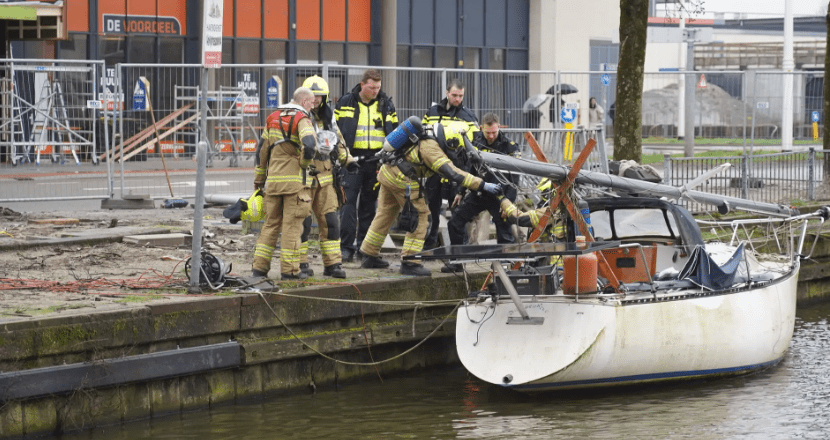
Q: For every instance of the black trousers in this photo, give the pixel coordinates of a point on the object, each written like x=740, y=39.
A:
x=433, y=192
x=470, y=207
x=357, y=212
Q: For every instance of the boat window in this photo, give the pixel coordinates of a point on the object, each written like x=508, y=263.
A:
x=642, y=223
x=601, y=222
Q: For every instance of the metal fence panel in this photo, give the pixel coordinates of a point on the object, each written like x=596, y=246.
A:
x=775, y=178
x=50, y=120
x=240, y=97
x=718, y=109
x=766, y=101
x=47, y=117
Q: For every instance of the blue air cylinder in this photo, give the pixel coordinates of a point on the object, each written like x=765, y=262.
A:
x=586, y=214
x=405, y=135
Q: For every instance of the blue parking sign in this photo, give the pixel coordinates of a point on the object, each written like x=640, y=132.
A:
x=816, y=116
x=567, y=114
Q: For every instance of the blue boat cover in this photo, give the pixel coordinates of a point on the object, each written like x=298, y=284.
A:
x=704, y=272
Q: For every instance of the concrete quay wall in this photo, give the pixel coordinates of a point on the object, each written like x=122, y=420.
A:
x=271, y=360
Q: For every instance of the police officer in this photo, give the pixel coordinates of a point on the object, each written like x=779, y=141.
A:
x=492, y=140
x=287, y=149
x=450, y=109
x=330, y=145
x=365, y=116
x=439, y=152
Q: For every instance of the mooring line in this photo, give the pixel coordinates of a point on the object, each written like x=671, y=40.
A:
x=362, y=364
x=438, y=302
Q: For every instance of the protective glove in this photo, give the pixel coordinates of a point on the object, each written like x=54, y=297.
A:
x=352, y=167
x=492, y=188
x=259, y=185
x=312, y=171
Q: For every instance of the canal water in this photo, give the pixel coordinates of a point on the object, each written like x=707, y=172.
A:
x=788, y=401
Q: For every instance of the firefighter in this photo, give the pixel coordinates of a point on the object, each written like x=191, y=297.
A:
x=440, y=151
x=469, y=207
x=330, y=147
x=286, y=151
x=450, y=109
x=365, y=116
x=555, y=229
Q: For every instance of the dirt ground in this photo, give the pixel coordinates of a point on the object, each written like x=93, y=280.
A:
x=71, y=278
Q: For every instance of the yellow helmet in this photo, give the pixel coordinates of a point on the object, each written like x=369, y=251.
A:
x=255, y=210
x=318, y=86
x=451, y=134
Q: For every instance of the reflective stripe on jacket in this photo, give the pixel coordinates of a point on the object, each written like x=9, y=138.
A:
x=439, y=113
x=286, y=168
x=426, y=159
x=350, y=111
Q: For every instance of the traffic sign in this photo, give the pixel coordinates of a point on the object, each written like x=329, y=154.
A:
x=702, y=83
x=273, y=92
x=142, y=89
x=567, y=114
x=816, y=116
x=605, y=79
x=763, y=104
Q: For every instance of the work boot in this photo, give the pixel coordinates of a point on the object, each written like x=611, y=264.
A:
x=259, y=273
x=289, y=276
x=370, y=262
x=410, y=268
x=452, y=267
x=309, y=272
x=334, y=271
x=347, y=255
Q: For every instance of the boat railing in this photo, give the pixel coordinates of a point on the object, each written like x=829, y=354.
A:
x=742, y=225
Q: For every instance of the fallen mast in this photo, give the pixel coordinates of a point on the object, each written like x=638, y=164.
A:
x=558, y=173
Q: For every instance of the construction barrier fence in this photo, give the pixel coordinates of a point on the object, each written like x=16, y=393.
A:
x=126, y=124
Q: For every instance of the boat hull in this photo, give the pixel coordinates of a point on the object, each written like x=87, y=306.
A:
x=593, y=343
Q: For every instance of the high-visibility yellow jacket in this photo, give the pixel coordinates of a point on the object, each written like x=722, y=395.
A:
x=365, y=125
x=440, y=113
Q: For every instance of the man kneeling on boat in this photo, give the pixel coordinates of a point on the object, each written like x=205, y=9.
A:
x=530, y=219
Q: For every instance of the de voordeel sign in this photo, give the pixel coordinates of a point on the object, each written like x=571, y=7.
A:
x=141, y=24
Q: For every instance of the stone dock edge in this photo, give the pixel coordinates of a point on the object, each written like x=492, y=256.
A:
x=226, y=349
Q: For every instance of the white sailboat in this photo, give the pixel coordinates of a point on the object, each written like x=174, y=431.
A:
x=665, y=305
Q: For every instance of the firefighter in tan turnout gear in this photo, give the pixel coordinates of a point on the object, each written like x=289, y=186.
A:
x=286, y=151
x=330, y=147
x=409, y=157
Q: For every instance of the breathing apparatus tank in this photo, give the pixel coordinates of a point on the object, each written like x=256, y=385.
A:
x=404, y=136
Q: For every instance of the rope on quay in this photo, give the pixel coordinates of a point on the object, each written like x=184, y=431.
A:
x=438, y=302
x=361, y=364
